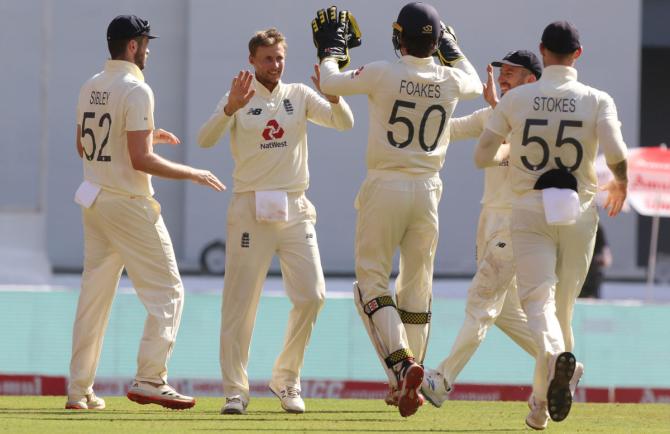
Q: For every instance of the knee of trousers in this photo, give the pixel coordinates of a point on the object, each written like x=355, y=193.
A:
x=537, y=301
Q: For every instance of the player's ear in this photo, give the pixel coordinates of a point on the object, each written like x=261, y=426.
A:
x=578, y=52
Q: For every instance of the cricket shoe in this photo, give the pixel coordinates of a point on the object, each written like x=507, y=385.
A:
x=86, y=402
x=391, y=397
x=409, y=383
x=164, y=395
x=574, y=382
x=435, y=387
x=290, y=398
x=234, y=405
x=539, y=415
x=559, y=395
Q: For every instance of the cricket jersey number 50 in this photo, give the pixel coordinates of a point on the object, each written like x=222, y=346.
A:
x=410, y=126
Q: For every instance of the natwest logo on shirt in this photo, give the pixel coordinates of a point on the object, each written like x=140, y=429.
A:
x=273, y=131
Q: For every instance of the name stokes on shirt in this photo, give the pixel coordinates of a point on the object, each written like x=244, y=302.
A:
x=551, y=104
x=426, y=90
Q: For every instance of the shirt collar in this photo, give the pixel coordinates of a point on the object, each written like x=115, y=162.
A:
x=263, y=91
x=124, y=66
x=411, y=60
x=559, y=73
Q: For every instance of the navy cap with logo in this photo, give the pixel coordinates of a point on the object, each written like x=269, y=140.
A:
x=524, y=58
x=561, y=37
x=127, y=27
x=416, y=19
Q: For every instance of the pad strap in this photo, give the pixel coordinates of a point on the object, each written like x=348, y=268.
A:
x=414, y=317
x=398, y=356
x=375, y=304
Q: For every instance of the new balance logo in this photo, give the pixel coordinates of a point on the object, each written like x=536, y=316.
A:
x=273, y=131
x=309, y=236
x=501, y=245
x=255, y=111
x=288, y=106
x=246, y=240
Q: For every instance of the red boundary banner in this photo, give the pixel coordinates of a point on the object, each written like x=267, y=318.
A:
x=338, y=389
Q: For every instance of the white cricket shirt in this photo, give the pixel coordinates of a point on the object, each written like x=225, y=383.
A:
x=111, y=103
x=410, y=102
x=552, y=123
x=497, y=191
x=268, y=136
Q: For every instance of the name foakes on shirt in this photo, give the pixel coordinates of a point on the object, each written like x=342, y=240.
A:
x=551, y=104
x=425, y=90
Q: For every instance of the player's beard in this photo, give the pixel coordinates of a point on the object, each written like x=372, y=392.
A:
x=140, y=59
x=141, y=55
x=268, y=80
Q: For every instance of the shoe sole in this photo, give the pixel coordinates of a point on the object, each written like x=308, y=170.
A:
x=288, y=410
x=559, y=397
x=167, y=403
x=409, y=399
x=232, y=411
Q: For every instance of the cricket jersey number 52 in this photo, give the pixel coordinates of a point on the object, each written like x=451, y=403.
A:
x=84, y=131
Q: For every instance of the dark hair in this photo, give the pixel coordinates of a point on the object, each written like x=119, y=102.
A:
x=117, y=47
x=418, y=46
x=266, y=38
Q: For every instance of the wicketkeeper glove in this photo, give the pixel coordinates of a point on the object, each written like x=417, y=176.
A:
x=334, y=33
x=447, y=50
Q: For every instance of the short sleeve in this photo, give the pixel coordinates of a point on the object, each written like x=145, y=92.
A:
x=498, y=121
x=140, y=109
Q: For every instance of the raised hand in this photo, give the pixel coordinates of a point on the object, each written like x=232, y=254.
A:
x=240, y=92
x=162, y=136
x=490, y=90
x=316, y=79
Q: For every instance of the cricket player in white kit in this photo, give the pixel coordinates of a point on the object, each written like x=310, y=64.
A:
x=123, y=226
x=269, y=213
x=492, y=296
x=554, y=128
x=410, y=103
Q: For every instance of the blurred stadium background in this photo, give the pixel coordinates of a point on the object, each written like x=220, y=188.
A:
x=50, y=47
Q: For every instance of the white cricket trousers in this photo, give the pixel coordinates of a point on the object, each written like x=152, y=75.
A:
x=128, y=231
x=250, y=247
x=397, y=210
x=492, y=296
x=551, y=265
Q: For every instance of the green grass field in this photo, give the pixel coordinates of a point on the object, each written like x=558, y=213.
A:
x=46, y=415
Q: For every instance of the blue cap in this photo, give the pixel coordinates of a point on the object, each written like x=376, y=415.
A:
x=417, y=19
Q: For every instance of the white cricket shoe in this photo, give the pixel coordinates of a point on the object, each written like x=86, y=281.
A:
x=164, y=395
x=435, y=387
x=86, y=402
x=289, y=397
x=574, y=381
x=559, y=393
x=234, y=405
x=539, y=415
